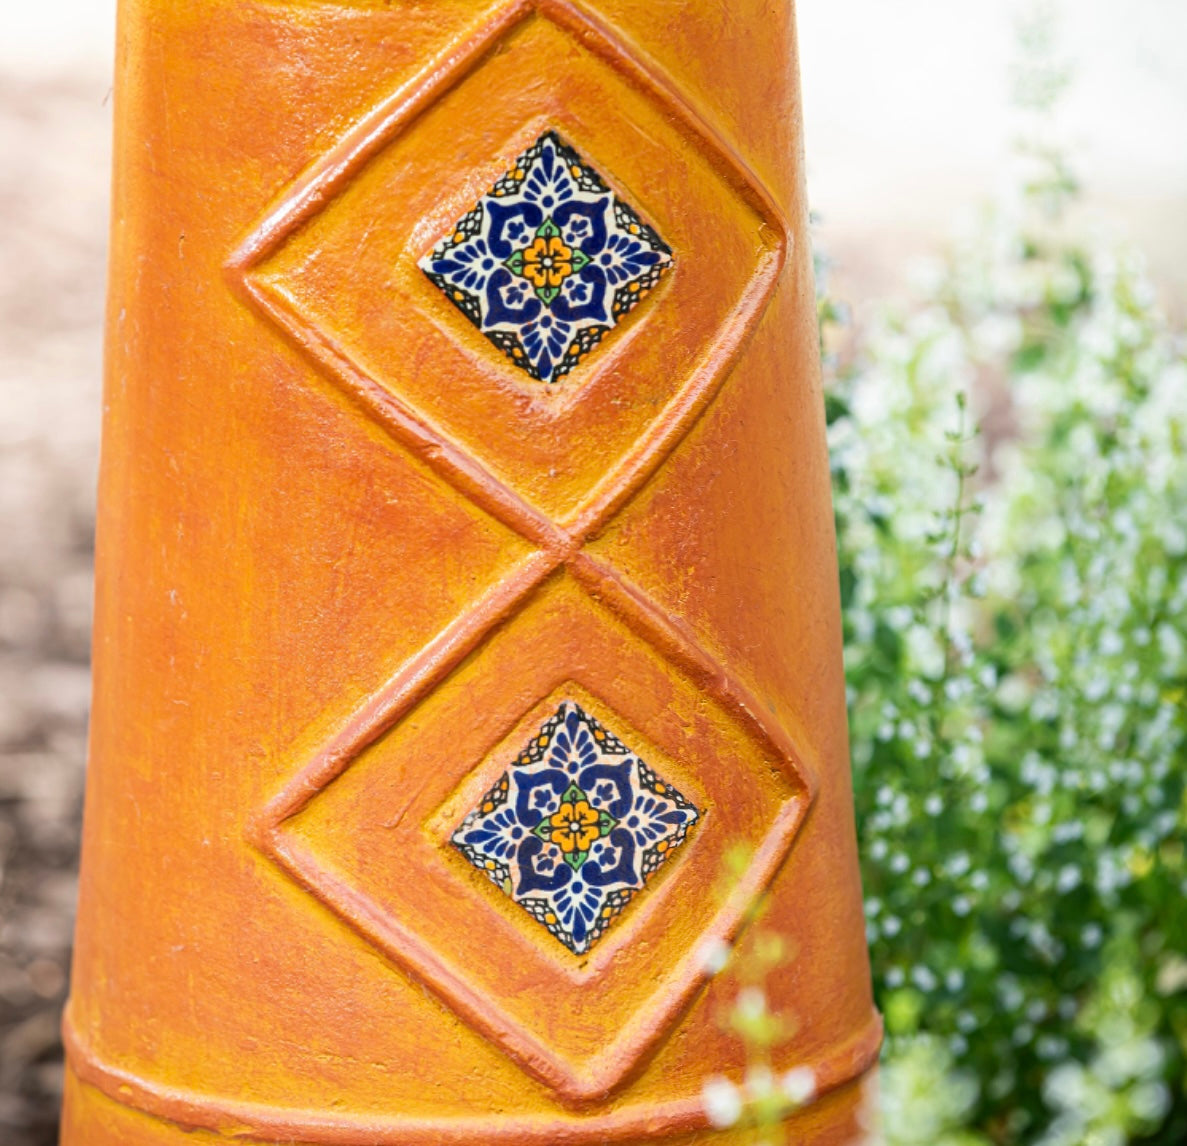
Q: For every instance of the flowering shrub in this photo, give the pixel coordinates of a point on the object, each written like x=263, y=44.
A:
x=1009, y=455
x=1010, y=476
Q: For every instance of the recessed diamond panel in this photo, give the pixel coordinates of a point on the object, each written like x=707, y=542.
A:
x=338, y=266
x=548, y=260
x=575, y=828
x=368, y=825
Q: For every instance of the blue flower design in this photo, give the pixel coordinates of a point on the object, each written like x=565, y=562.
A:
x=543, y=258
x=624, y=259
x=468, y=265
x=545, y=341
x=577, y=292
x=616, y=776
x=549, y=184
x=576, y=231
x=573, y=746
x=575, y=827
x=497, y=836
x=535, y=876
x=577, y=907
x=583, y=299
x=509, y=302
x=588, y=223
x=536, y=794
x=652, y=818
x=511, y=225
x=513, y=295
x=615, y=866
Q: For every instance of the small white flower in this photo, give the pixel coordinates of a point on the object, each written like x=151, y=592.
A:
x=722, y=1101
x=1150, y=1100
x=713, y=956
x=799, y=1084
x=959, y=864
x=1050, y=1049
x=751, y=1003
x=924, y=978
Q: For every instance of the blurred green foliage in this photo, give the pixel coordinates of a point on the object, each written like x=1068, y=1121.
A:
x=1010, y=474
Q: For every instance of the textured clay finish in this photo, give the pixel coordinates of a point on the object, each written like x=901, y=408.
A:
x=352, y=559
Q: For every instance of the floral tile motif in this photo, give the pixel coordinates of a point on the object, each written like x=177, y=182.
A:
x=575, y=827
x=548, y=261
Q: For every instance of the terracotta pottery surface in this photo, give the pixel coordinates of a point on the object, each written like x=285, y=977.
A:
x=466, y=581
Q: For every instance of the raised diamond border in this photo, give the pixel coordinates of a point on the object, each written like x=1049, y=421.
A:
x=559, y=545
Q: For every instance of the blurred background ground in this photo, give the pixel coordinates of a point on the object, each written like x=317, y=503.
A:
x=907, y=123
x=53, y=181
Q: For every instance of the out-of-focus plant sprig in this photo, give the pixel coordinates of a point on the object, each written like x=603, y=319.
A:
x=763, y=1098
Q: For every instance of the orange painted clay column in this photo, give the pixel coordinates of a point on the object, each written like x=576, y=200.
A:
x=466, y=581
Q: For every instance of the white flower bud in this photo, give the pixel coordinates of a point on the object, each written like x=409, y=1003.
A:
x=799, y=1084
x=722, y=1101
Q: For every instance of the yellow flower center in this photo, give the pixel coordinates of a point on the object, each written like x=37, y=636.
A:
x=574, y=826
x=547, y=262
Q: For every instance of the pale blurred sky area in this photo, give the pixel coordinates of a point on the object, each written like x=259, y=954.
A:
x=907, y=107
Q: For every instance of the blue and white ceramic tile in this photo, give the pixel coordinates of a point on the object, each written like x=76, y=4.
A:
x=548, y=261
x=575, y=827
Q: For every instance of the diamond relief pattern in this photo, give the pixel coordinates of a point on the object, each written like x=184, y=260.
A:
x=513, y=265
x=548, y=261
x=575, y=828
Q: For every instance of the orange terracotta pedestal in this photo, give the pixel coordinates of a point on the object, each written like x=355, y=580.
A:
x=466, y=581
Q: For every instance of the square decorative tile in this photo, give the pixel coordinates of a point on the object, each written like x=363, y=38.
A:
x=548, y=261
x=575, y=827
